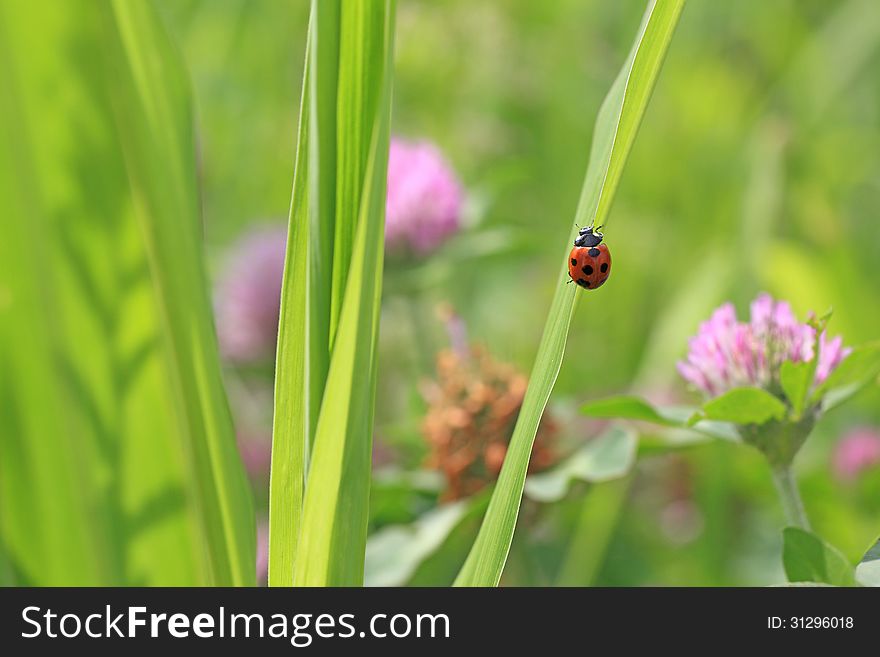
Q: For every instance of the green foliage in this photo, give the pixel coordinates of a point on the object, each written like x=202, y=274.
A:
x=807, y=558
x=796, y=379
x=616, y=126
x=752, y=173
x=432, y=547
x=606, y=457
x=428, y=551
x=857, y=370
x=744, y=406
x=629, y=408
x=868, y=570
x=327, y=363
x=118, y=462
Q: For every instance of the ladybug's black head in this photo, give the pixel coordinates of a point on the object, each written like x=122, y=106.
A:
x=588, y=237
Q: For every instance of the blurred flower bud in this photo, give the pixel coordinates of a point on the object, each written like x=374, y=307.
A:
x=248, y=296
x=256, y=454
x=856, y=452
x=424, y=199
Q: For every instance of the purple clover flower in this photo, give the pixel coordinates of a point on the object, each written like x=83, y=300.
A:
x=727, y=354
x=856, y=452
x=248, y=296
x=424, y=199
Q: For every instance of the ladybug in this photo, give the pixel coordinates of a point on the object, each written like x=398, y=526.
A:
x=589, y=263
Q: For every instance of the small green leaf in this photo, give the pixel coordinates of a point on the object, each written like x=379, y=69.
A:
x=692, y=421
x=819, y=323
x=796, y=379
x=429, y=551
x=855, y=371
x=629, y=408
x=744, y=406
x=609, y=456
x=807, y=558
x=394, y=552
x=868, y=570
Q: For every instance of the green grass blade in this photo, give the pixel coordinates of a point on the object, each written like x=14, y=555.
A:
x=361, y=46
x=116, y=435
x=322, y=80
x=291, y=426
x=622, y=110
x=334, y=526
x=616, y=127
x=36, y=480
x=155, y=125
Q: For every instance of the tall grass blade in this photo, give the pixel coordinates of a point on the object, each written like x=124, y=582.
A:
x=616, y=126
x=319, y=493
x=292, y=410
x=118, y=464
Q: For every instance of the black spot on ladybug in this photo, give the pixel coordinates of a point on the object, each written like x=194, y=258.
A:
x=583, y=283
x=593, y=252
x=587, y=269
x=574, y=262
x=604, y=267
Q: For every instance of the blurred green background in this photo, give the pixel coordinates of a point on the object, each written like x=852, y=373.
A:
x=757, y=168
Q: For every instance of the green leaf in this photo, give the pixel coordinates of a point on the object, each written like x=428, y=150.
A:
x=318, y=535
x=616, y=126
x=796, y=379
x=694, y=429
x=432, y=545
x=744, y=406
x=600, y=513
x=856, y=371
x=609, y=456
x=117, y=435
x=629, y=408
x=295, y=389
x=868, y=570
x=807, y=558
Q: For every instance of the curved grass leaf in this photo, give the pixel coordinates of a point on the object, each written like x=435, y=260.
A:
x=616, y=126
x=118, y=462
x=155, y=123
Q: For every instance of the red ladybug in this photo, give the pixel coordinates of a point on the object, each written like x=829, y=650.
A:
x=589, y=263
